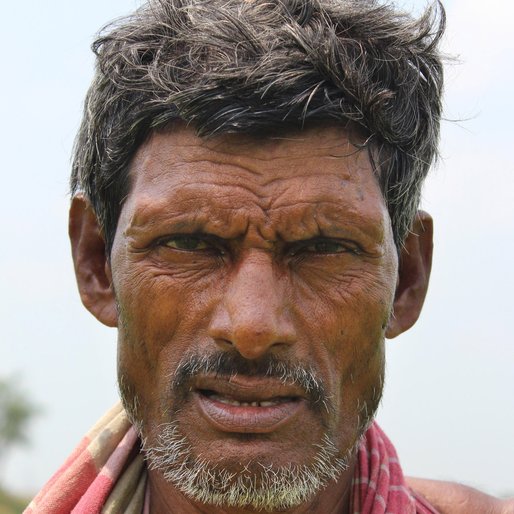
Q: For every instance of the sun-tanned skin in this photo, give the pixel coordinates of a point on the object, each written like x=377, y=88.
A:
x=452, y=498
x=258, y=247
x=289, y=252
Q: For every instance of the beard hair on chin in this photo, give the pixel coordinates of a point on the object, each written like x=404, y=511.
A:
x=263, y=487
x=269, y=488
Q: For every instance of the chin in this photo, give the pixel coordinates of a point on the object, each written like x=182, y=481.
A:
x=258, y=483
x=218, y=449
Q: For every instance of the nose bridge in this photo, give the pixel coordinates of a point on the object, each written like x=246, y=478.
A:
x=254, y=286
x=253, y=315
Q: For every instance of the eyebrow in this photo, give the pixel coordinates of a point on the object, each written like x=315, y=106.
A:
x=336, y=223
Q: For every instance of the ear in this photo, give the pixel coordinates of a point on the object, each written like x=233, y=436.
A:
x=92, y=267
x=413, y=275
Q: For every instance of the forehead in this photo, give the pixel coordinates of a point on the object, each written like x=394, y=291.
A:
x=319, y=172
x=267, y=157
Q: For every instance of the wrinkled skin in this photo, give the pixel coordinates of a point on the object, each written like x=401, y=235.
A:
x=255, y=247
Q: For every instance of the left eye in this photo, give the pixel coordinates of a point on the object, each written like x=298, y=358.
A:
x=325, y=247
x=187, y=243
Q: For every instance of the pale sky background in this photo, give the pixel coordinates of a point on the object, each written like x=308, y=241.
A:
x=449, y=399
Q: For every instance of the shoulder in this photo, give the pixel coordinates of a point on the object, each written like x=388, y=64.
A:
x=453, y=498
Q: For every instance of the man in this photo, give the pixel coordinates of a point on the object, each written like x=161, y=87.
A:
x=245, y=190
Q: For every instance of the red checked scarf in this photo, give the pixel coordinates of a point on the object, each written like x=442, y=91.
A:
x=106, y=474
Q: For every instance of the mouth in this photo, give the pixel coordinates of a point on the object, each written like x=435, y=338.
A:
x=247, y=404
x=213, y=396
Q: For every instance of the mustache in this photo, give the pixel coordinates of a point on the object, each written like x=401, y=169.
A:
x=228, y=365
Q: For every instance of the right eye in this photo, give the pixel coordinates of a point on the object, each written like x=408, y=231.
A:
x=187, y=243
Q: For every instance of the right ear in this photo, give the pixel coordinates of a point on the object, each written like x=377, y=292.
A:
x=92, y=267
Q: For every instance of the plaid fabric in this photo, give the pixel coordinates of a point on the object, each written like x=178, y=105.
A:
x=106, y=474
x=379, y=485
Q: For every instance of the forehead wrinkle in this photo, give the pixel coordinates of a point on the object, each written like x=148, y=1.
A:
x=228, y=212
x=252, y=155
x=216, y=213
x=180, y=195
x=227, y=158
x=163, y=174
x=227, y=184
x=330, y=219
x=300, y=176
x=241, y=177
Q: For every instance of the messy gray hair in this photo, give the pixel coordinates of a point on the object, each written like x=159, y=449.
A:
x=248, y=66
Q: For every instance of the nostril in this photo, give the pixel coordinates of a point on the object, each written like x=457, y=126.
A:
x=281, y=344
x=224, y=344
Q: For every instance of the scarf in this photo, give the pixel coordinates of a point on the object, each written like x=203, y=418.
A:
x=106, y=474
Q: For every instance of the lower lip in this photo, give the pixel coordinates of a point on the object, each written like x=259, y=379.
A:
x=248, y=419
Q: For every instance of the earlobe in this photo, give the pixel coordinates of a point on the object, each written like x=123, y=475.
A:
x=92, y=268
x=413, y=276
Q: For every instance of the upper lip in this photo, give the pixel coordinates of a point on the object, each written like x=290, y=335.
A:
x=248, y=389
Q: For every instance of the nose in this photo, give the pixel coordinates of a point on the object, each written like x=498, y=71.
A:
x=253, y=315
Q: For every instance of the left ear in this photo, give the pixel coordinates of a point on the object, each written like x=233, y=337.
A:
x=413, y=276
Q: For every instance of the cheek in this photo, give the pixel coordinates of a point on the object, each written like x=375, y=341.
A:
x=155, y=304
x=345, y=308
x=345, y=318
x=161, y=317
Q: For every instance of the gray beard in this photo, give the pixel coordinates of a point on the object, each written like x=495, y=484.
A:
x=257, y=485
x=266, y=488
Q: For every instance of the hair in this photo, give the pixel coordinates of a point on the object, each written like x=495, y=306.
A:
x=253, y=66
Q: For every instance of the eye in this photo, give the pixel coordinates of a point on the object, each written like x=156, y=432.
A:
x=323, y=247
x=187, y=243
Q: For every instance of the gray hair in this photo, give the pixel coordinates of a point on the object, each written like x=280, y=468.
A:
x=248, y=66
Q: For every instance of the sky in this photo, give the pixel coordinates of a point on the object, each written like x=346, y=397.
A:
x=449, y=398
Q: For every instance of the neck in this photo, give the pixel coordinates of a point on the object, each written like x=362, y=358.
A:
x=333, y=499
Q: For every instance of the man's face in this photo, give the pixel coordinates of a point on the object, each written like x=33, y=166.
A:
x=254, y=280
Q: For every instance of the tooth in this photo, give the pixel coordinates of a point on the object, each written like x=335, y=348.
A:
x=226, y=401
x=236, y=403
